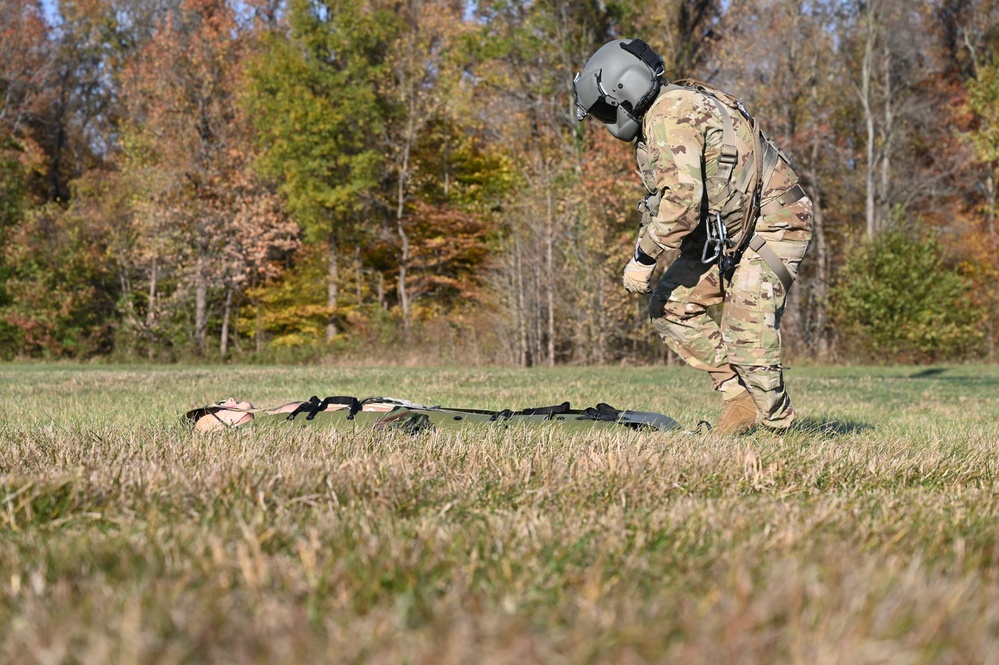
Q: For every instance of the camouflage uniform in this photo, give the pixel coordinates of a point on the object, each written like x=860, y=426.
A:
x=678, y=157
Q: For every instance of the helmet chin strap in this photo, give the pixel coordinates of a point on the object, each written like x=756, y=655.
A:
x=645, y=102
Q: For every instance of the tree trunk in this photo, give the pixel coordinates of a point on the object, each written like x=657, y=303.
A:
x=537, y=330
x=400, y=210
x=601, y=315
x=358, y=273
x=403, y=263
x=521, y=313
x=258, y=333
x=821, y=287
x=550, y=268
x=447, y=168
x=151, y=310
x=332, y=285
x=818, y=334
x=990, y=227
x=200, y=304
x=870, y=209
x=990, y=203
x=991, y=333
x=236, y=345
x=56, y=189
x=226, y=312
x=887, y=136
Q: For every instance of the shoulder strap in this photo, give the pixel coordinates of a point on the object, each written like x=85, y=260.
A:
x=729, y=156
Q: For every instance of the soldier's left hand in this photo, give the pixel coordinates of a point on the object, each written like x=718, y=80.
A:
x=648, y=208
x=638, y=276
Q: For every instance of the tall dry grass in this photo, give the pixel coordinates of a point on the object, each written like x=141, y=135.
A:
x=868, y=535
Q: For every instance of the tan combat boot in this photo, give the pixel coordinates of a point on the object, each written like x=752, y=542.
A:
x=738, y=415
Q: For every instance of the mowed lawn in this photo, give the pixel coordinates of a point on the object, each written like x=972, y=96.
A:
x=870, y=534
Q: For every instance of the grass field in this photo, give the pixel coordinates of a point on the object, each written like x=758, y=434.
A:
x=870, y=534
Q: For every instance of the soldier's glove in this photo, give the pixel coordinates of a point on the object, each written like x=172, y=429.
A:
x=638, y=273
x=649, y=207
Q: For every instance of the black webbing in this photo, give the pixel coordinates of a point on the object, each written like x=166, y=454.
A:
x=352, y=402
x=504, y=414
x=602, y=411
x=315, y=406
x=653, y=61
x=304, y=407
x=644, y=52
x=558, y=409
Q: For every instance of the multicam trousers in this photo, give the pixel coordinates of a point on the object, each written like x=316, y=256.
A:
x=746, y=344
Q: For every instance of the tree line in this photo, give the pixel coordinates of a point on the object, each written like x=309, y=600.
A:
x=302, y=179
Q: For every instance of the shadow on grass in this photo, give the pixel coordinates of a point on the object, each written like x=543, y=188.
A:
x=928, y=372
x=830, y=427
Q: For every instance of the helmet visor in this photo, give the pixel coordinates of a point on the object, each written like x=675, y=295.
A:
x=603, y=111
x=591, y=99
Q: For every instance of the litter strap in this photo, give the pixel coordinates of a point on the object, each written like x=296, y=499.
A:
x=315, y=406
x=559, y=409
x=352, y=403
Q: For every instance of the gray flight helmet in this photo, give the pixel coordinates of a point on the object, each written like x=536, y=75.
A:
x=618, y=85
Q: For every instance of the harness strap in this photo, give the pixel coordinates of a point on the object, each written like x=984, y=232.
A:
x=771, y=155
x=729, y=156
x=755, y=169
x=792, y=195
x=766, y=252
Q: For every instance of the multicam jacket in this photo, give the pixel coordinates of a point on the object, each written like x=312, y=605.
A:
x=677, y=156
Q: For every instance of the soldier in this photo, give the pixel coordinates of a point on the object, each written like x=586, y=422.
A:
x=723, y=200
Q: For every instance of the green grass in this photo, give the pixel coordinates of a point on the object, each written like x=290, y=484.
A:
x=870, y=534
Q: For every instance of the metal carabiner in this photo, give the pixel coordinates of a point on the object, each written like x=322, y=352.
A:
x=716, y=241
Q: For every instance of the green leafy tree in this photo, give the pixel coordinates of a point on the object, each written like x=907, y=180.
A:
x=984, y=103
x=897, y=299
x=313, y=94
x=60, y=287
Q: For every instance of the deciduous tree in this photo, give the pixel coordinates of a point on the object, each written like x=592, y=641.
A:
x=204, y=215
x=314, y=99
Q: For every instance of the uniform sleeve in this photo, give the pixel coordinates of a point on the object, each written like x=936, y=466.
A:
x=683, y=133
